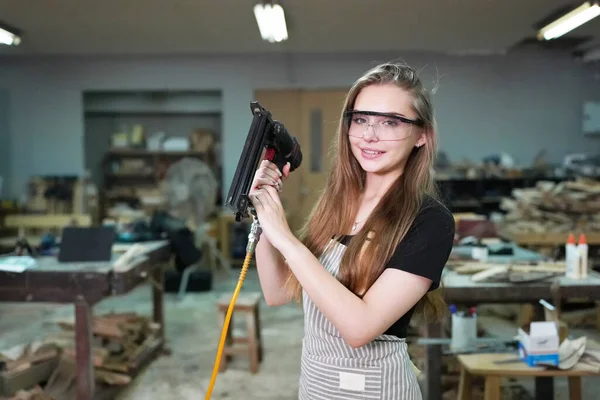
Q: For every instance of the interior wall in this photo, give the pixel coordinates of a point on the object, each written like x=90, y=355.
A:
x=4, y=142
x=484, y=104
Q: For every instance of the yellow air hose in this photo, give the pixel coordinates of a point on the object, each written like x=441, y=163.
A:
x=253, y=237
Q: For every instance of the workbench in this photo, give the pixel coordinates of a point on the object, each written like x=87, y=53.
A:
x=553, y=243
x=460, y=290
x=83, y=285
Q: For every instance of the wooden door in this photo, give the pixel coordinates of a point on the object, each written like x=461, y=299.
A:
x=312, y=116
x=320, y=118
x=284, y=106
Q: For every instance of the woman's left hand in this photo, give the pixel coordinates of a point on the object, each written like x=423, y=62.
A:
x=271, y=215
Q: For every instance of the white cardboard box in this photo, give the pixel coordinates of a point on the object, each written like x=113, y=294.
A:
x=540, y=345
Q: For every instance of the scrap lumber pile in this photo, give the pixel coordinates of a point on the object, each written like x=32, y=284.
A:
x=551, y=207
x=121, y=343
x=28, y=368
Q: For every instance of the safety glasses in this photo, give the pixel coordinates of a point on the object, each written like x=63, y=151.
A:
x=386, y=126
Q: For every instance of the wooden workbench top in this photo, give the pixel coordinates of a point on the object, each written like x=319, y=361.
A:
x=53, y=281
x=460, y=289
x=454, y=280
x=48, y=263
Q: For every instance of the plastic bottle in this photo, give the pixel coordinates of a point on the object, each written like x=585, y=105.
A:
x=571, y=258
x=582, y=249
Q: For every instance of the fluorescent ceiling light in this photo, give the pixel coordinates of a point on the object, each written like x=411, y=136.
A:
x=570, y=21
x=271, y=22
x=9, y=36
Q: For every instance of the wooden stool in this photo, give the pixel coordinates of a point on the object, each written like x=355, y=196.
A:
x=251, y=344
x=485, y=365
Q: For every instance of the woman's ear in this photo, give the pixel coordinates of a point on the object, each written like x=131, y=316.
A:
x=422, y=140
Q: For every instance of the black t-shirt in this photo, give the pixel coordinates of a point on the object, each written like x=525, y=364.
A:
x=423, y=251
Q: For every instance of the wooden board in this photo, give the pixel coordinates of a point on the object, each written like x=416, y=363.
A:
x=485, y=364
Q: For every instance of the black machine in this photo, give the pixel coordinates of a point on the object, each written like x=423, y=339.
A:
x=281, y=148
x=181, y=238
x=86, y=244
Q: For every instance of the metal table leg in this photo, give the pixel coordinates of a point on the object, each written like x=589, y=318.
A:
x=157, y=299
x=433, y=364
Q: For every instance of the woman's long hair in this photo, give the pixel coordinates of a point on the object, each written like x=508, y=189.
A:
x=390, y=220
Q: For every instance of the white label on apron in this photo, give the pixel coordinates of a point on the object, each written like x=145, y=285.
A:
x=350, y=381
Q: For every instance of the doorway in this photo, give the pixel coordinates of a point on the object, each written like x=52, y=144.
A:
x=312, y=116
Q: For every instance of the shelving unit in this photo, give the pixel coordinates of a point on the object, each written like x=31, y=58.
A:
x=129, y=186
x=483, y=195
x=131, y=172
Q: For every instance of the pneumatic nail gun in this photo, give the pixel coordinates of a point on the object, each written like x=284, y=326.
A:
x=267, y=139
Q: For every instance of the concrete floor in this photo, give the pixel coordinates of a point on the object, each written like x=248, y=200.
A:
x=193, y=335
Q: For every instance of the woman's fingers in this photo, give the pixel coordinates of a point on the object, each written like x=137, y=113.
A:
x=272, y=168
x=265, y=181
x=286, y=169
x=267, y=173
x=262, y=182
x=273, y=196
x=265, y=176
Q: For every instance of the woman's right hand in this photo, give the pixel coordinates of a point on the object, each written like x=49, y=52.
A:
x=268, y=174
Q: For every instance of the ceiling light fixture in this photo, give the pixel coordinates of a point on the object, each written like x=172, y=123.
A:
x=271, y=22
x=9, y=35
x=571, y=20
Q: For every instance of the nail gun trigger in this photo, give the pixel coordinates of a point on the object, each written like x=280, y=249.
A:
x=270, y=154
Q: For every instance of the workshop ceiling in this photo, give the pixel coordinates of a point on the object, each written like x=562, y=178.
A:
x=228, y=26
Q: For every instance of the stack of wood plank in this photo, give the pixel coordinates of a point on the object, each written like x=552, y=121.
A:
x=121, y=344
x=120, y=341
x=551, y=207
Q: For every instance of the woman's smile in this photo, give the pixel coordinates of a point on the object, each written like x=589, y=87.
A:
x=371, y=154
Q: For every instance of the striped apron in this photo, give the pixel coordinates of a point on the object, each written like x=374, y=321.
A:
x=332, y=370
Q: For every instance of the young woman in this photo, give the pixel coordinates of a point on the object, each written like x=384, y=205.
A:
x=373, y=250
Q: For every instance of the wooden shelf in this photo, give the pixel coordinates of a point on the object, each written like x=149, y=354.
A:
x=484, y=195
x=127, y=152
x=131, y=175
